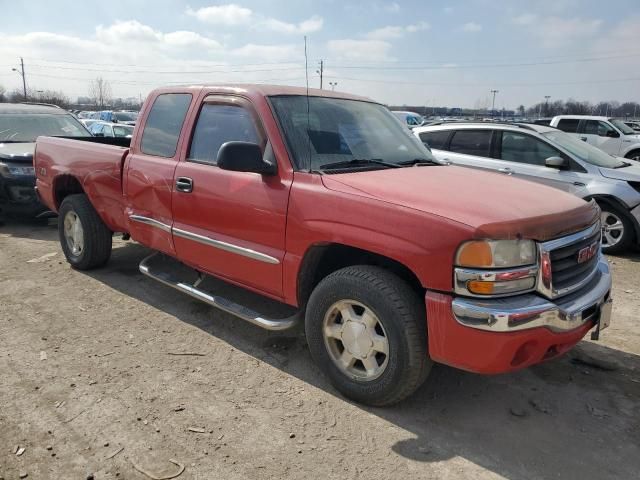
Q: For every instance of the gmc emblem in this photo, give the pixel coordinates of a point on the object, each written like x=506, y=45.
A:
x=587, y=253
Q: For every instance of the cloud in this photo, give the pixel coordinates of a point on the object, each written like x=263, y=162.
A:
x=354, y=49
x=390, y=32
x=268, y=53
x=471, y=27
x=554, y=30
x=233, y=15
x=310, y=25
x=392, y=7
x=230, y=14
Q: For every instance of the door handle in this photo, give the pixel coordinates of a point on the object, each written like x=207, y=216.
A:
x=584, y=139
x=506, y=171
x=184, y=184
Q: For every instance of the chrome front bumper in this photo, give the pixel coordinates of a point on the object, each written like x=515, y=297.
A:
x=531, y=310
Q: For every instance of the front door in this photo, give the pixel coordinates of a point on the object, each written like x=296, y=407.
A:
x=598, y=134
x=229, y=224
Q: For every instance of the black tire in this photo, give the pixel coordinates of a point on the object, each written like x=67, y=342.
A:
x=633, y=155
x=96, y=248
x=628, y=236
x=402, y=315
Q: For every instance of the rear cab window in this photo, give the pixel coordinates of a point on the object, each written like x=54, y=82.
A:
x=472, y=142
x=164, y=123
x=437, y=140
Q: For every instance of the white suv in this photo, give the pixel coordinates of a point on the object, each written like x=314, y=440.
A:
x=546, y=155
x=608, y=134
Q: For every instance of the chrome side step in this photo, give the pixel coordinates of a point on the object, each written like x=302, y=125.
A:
x=171, y=278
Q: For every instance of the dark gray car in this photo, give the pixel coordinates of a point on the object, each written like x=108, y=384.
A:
x=20, y=125
x=546, y=155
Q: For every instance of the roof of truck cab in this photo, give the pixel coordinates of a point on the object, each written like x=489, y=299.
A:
x=263, y=90
x=581, y=117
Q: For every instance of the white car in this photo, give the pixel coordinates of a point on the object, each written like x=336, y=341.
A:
x=610, y=135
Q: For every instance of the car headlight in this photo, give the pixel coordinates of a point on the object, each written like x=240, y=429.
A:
x=496, y=267
x=15, y=171
x=496, y=253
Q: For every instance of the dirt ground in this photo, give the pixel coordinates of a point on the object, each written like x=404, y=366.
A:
x=91, y=385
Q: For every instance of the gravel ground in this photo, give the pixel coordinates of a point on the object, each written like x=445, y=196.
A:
x=92, y=385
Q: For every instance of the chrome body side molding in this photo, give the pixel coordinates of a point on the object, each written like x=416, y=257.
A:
x=211, y=242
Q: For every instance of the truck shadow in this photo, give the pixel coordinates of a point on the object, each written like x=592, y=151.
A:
x=574, y=417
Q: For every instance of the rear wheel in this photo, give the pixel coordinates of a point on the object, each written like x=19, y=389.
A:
x=617, y=230
x=85, y=239
x=366, y=329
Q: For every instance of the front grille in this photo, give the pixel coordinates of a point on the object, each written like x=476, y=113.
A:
x=567, y=272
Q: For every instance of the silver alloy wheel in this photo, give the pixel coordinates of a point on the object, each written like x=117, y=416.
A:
x=636, y=157
x=356, y=340
x=612, y=229
x=73, y=233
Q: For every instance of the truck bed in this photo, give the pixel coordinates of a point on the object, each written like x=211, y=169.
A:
x=94, y=164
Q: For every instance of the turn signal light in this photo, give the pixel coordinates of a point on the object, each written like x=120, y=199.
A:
x=480, y=288
x=476, y=253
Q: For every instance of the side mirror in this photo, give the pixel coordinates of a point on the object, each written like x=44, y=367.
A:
x=558, y=163
x=244, y=157
x=612, y=134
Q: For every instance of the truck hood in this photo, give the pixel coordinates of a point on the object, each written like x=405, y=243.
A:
x=629, y=174
x=495, y=205
x=17, y=152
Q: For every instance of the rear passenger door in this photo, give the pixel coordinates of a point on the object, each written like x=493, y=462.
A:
x=150, y=168
x=472, y=148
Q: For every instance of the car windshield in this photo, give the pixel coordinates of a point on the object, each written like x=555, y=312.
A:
x=26, y=127
x=583, y=150
x=328, y=131
x=125, y=116
x=623, y=127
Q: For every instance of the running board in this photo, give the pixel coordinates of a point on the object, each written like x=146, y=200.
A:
x=169, y=275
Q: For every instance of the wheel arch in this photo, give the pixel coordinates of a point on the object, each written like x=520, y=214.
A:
x=321, y=260
x=63, y=186
x=634, y=150
x=617, y=203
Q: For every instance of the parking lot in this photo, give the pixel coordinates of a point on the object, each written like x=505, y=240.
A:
x=112, y=375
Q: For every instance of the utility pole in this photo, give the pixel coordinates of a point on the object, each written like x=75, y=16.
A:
x=24, y=81
x=493, y=103
x=320, y=72
x=546, y=104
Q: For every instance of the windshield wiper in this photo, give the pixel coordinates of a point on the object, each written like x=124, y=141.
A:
x=358, y=162
x=419, y=162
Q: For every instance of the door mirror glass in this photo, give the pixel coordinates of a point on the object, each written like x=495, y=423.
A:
x=244, y=157
x=558, y=163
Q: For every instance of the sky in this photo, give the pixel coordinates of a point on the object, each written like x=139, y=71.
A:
x=432, y=53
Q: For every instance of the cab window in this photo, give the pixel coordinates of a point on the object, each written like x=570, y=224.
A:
x=523, y=148
x=164, y=123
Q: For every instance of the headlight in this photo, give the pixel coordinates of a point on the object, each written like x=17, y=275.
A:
x=486, y=268
x=496, y=253
x=15, y=171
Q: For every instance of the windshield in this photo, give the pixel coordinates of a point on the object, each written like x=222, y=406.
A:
x=331, y=130
x=26, y=127
x=583, y=150
x=126, y=116
x=623, y=127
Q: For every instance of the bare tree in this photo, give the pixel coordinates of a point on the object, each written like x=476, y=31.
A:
x=2, y=92
x=100, y=92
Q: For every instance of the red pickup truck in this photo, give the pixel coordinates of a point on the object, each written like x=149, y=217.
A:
x=326, y=203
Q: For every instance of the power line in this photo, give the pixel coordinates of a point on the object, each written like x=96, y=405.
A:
x=169, y=72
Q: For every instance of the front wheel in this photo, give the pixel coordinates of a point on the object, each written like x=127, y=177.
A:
x=85, y=239
x=366, y=329
x=634, y=155
x=617, y=230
